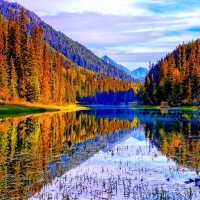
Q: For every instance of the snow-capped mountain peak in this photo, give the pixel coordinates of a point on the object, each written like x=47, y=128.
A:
x=139, y=72
x=112, y=62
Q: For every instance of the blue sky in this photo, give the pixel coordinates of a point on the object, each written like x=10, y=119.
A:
x=132, y=32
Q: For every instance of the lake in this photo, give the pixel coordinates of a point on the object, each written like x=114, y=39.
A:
x=102, y=153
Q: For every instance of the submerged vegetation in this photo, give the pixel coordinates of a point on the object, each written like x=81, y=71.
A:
x=113, y=175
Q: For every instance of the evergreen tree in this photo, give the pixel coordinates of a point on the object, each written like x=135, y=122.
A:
x=3, y=80
x=32, y=72
x=16, y=50
x=45, y=88
x=3, y=64
x=24, y=54
x=12, y=81
x=179, y=58
x=10, y=38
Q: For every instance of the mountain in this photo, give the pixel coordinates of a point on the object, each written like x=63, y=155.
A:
x=78, y=53
x=112, y=62
x=139, y=72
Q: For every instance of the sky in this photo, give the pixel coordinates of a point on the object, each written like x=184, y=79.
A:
x=131, y=32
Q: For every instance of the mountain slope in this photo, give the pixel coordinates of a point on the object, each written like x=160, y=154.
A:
x=31, y=71
x=139, y=72
x=112, y=62
x=78, y=53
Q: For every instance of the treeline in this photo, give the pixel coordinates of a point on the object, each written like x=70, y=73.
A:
x=110, y=98
x=30, y=70
x=175, y=80
x=34, y=148
x=74, y=51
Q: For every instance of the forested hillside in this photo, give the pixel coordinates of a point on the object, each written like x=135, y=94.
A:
x=71, y=49
x=175, y=80
x=30, y=70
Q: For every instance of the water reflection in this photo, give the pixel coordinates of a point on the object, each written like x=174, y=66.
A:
x=178, y=138
x=36, y=148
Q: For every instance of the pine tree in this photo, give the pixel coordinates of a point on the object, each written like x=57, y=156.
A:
x=151, y=88
x=16, y=50
x=32, y=72
x=12, y=81
x=188, y=92
x=183, y=59
x=147, y=90
x=24, y=54
x=196, y=83
x=37, y=39
x=55, y=77
x=45, y=87
x=179, y=58
x=3, y=80
x=3, y=64
x=10, y=38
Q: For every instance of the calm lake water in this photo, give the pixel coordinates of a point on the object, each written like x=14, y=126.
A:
x=103, y=153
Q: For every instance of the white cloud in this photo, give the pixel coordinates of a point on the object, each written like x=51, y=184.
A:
x=115, y=7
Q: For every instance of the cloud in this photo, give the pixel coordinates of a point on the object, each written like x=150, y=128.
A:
x=93, y=28
x=124, y=35
x=115, y=7
x=106, y=7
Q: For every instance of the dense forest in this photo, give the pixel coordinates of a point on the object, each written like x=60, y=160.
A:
x=76, y=52
x=30, y=70
x=175, y=80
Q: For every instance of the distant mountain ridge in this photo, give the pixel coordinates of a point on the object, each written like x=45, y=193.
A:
x=137, y=74
x=112, y=62
x=78, y=53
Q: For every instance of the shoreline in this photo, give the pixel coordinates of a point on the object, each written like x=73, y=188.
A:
x=186, y=108
x=11, y=110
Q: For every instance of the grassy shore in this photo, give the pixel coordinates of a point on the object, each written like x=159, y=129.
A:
x=147, y=107
x=15, y=110
x=192, y=108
